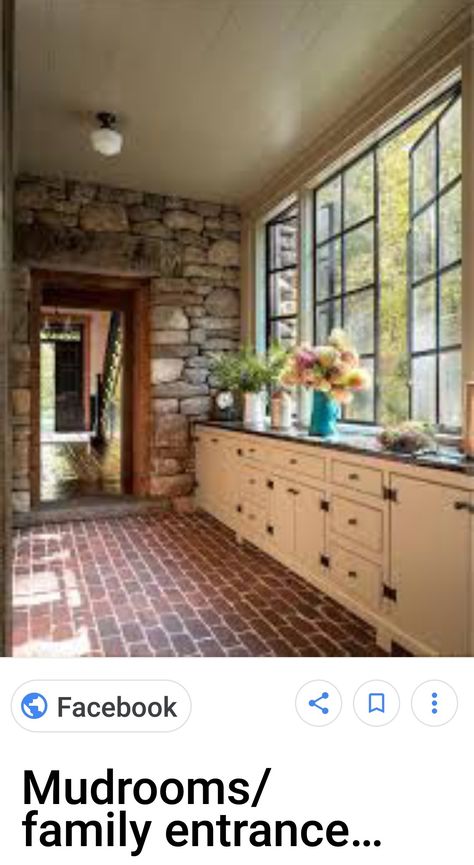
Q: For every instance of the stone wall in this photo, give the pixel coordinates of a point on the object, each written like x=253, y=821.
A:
x=191, y=252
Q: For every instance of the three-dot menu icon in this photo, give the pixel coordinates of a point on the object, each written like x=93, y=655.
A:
x=434, y=703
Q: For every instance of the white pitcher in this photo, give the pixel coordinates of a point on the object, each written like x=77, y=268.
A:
x=254, y=409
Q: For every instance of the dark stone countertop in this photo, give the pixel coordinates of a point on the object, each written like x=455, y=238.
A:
x=352, y=439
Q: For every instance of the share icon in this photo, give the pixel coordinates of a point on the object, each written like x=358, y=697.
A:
x=315, y=703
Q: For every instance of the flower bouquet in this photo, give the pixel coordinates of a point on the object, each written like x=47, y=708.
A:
x=333, y=372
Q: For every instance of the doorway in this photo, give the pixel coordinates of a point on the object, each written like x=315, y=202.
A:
x=81, y=384
x=90, y=388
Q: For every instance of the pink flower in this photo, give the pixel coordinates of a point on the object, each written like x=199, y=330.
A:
x=350, y=357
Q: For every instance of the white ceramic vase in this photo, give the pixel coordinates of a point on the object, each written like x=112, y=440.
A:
x=254, y=409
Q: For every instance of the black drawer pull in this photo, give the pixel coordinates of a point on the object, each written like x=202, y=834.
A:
x=270, y=485
x=270, y=530
x=461, y=506
x=293, y=492
x=214, y=441
x=239, y=509
x=352, y=575
x=354, y=477
x=293, y=462
x=251, y=450
x=240, y=452
x=352, y=521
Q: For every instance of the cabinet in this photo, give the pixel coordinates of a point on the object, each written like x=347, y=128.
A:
x=392, y=542
x=430, y=563
x=216, y=472
x=294, y=523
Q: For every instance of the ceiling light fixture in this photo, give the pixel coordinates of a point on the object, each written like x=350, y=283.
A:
x=106, y=140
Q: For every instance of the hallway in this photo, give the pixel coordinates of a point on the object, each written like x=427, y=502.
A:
x=167, y=586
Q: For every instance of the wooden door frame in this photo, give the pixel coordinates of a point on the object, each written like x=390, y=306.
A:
x=129, y=295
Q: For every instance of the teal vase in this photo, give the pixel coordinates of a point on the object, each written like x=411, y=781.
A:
x=324, y=416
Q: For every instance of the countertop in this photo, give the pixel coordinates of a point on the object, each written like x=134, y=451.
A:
x=358, y=441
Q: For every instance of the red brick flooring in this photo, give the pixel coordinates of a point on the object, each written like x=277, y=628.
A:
x=167, y=586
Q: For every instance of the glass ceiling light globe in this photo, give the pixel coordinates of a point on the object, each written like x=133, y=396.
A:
x=106, y=140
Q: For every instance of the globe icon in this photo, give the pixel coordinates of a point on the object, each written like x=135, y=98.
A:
x=34, y=705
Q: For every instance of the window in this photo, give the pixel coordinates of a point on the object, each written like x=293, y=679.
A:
x=346, y=280
x=388, y=268
x=282, y=277
x=435, y=271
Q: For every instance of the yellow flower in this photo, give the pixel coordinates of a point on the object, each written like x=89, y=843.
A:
x=358, y=379
x=327, y=356
x=338, y=339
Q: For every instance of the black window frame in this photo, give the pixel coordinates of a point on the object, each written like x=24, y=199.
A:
x=450, y=95
x=439, y=271
x=289, y=215
x=341, y=236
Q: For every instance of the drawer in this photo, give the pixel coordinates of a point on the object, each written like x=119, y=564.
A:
x=357, y=576
x=357, y=477
x=359, y=523
x=249, y=449
x=254, y=485
x=296, y=462
x=209, y=440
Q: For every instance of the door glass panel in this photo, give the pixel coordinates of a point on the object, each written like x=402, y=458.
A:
x=424, y=317
x=359, y=191
x=450, y=145
x=328, y=270
x=450, y=321
x=359, y=320
x=362, y=407
x=424, y=171
x=328, y=316
x=450, y=389
x=424, y=244
x=284, y=292
x=450, y=226
x=283, y=245
x=424, y=388
x=328, y=210
x=359, y=257
x=284, y=332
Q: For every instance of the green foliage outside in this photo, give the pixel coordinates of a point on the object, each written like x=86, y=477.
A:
x=394, y=168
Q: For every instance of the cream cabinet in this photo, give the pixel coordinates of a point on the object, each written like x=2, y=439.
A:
x=430, y=556
x=297, y=526
x=391, y=541
x=216, y=467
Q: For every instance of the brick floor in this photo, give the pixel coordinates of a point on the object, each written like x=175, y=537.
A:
x=167, y=585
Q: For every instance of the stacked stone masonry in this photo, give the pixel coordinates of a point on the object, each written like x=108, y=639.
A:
x=191, y=253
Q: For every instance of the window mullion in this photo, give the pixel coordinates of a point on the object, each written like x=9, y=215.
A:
x=376, y=264
x=438, y=277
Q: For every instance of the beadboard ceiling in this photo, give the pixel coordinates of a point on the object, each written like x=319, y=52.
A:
x=213, y=96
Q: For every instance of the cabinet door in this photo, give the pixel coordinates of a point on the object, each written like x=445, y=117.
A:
x=298, y=522
x=430, y=554
x=208, y=469
x=310, y=528
x=282, y=516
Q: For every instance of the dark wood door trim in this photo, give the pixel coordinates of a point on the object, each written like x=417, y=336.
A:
x=130, y=295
